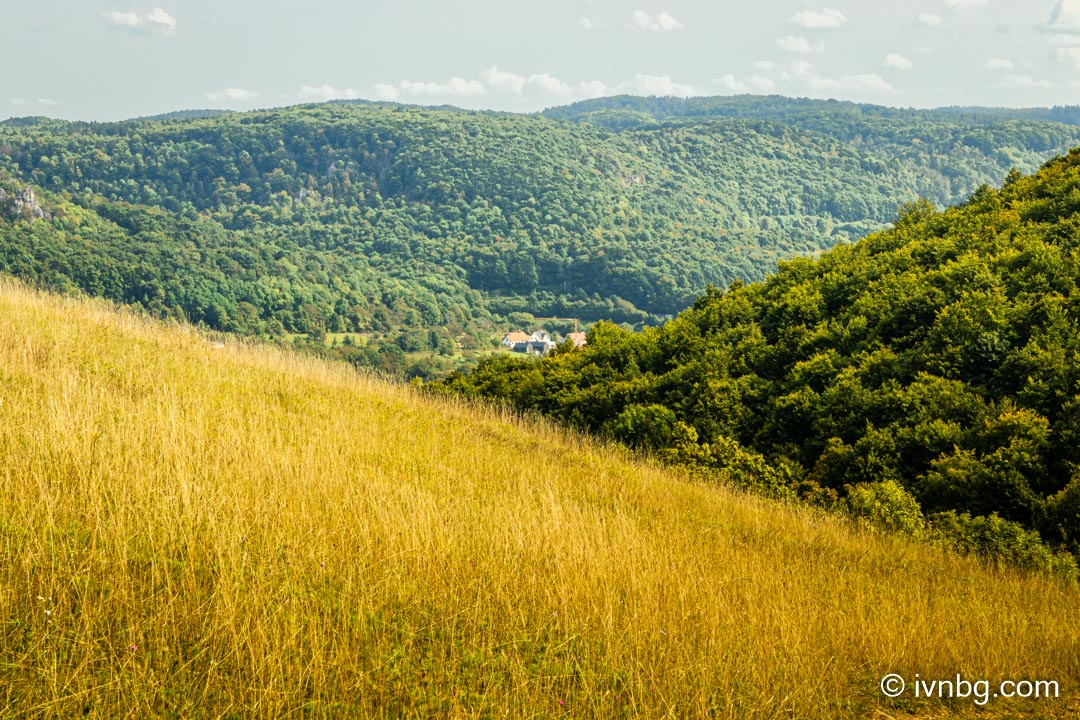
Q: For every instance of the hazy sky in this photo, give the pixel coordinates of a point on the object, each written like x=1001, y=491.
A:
x=108, y=59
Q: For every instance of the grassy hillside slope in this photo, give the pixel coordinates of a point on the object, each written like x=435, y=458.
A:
x=191, y=530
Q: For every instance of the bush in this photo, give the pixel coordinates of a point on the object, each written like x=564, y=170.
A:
x=885, y=505
x=725, y=460
x=1061, y=516
x=649, y=427
x=996, y=539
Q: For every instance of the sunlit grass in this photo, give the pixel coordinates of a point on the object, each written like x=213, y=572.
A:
x=193, y=531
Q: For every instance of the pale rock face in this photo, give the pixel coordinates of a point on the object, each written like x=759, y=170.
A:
x=23, y=205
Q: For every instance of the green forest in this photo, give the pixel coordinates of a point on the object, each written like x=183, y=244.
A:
x=433, y=231
x=875, y=125
x=925, y=376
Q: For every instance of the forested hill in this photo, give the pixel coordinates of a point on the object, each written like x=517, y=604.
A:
x=835, y=117
x=423, y=227
x=941, y=356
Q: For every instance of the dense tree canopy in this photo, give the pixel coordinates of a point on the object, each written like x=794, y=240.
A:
x=395, y=221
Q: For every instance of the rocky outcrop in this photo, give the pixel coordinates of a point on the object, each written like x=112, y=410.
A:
x=22, y=205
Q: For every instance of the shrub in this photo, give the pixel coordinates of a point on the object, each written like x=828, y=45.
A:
x=885, y=505
x=1061, y=516
x=649, y=427
x=996, y=539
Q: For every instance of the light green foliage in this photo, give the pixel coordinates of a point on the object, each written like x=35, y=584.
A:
x=886, y=505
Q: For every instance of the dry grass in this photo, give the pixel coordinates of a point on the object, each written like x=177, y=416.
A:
x=188, y=531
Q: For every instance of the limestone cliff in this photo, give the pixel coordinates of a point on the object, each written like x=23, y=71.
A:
x=21, y=205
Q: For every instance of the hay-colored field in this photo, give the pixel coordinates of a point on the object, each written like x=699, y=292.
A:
x=193, y=531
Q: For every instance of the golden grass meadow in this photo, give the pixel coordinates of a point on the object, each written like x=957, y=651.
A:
x=193, y=531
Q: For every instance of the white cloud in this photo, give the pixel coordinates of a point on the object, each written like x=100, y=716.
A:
x=1068, y=56
x=166, y=23
x=586, y=23
x=659, y=85
x=550, y=85
x=1064, y=21
x=666, y=22
x=762, y=84
x=663, y=22
x=156, y=21
x=322, y=93
x=233, y=95
x=999, y=64
x=804, y=74
x=123, y=19
x=40, y=102
x=500, y=81
x=964, y=4
x=819, y=19
x=793, y=44
x=929, y=19
x=732, y=85
x=863, y=81
x=764, y=65
x=385, y=92
x=538, y=86
x=592, y=88
x=1021, y=82
x=798, y=68
x=454, y=87
x=898, y=62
